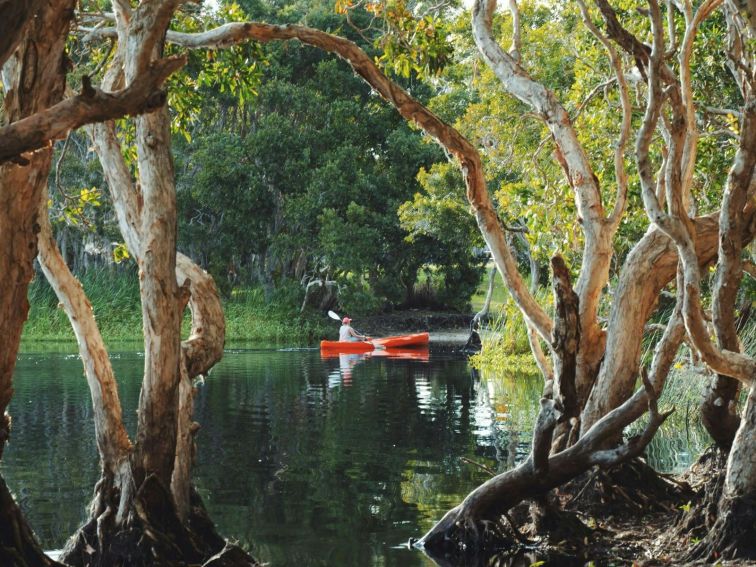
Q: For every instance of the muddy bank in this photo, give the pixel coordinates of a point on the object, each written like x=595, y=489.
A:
x=439, y=324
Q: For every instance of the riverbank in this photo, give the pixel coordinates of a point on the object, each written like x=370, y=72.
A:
x=250, y=317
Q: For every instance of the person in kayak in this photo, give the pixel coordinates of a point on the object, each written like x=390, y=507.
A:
x=347, y=333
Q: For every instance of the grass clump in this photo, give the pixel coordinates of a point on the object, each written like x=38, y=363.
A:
x=504, y=337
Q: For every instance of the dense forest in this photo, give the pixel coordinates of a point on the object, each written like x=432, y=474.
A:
x=601, y=155
x=289, y=172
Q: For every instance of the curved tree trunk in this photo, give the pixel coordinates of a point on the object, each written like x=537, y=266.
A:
x=649, y=267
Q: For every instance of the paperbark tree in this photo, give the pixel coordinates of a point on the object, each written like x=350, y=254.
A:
x=608, y=361
x=36, y=113
x=144, y=509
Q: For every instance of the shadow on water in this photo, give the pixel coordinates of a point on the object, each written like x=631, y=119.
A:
x=304, y=460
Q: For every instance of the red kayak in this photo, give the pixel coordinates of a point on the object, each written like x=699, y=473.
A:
x=399, y=341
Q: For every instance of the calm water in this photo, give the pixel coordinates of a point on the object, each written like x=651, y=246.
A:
x=305, y=461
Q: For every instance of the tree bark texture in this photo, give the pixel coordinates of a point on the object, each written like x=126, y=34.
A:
x=113, y=441
x=35, y=79
x=597, y=229
x=14, y=17
x=565, y=343
x=649, y=267
x=158, y=515
x=718, y=409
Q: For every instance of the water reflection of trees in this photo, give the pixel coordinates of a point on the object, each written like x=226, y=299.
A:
x=51, y=462
x=321, y=464
x=290, y=464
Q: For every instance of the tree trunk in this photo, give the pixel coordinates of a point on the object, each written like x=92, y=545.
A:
x=733, y=534
x=718, y=411
x=565, y=342
x=649, y=267
x=34, y=77
x=163, y=518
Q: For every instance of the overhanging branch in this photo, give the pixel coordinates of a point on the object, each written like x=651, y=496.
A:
x=91, y=105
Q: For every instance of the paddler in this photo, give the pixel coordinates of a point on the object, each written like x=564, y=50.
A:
x=347, y=333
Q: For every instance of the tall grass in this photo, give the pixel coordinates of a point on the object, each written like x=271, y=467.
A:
x=115, y=301
x=250, y=317
x=114, y=296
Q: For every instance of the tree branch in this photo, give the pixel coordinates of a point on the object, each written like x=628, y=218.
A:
x=456, y=144
x=36, y=131
x=619, y=153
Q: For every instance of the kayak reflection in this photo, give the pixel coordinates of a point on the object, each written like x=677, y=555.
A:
x=347, y=361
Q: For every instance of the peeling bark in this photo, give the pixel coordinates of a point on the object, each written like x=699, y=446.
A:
x=649, y=267
x=35, y=78
x=598, y=231
x=718, y=410
x=158, y=514
x=14, y=17
x=565, y=343
x=113, y=441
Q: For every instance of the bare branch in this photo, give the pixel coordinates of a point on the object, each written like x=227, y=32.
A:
x=516, y=49
x=691, y=134
x=36, y=131
x=671, y=31
x=589, y=97
x=650, y=120
x=635, y=446
x=542, y=436
x=619, y=152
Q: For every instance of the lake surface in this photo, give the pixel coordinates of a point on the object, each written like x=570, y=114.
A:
x=303, y=460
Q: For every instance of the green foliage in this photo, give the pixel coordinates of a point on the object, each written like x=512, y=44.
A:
x=505, y=346
x=76, y=209
x=120, y=253
x=410, y=41
x=310, y=173
x=231, y=74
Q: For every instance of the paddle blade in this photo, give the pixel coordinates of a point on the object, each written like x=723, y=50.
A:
x=334, y=316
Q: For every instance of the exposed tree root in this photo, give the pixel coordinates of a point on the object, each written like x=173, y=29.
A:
x=18, y=546
x=724, y=528
x=733, y=535
x=558, y=526
x=629, y=488
x=152, y=536
x=700, y=515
